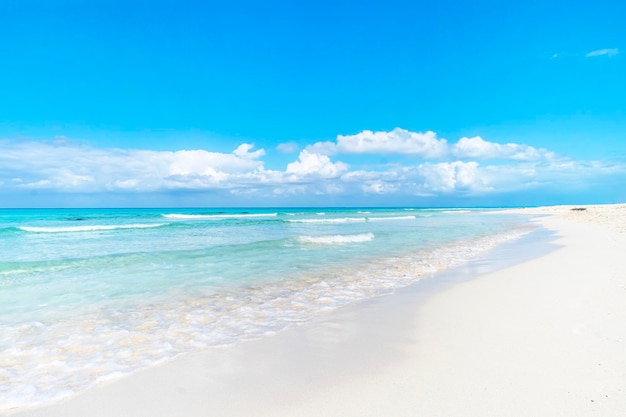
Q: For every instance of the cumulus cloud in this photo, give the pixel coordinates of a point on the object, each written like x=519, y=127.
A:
x=477, y=147
x=426, y=146
x=315, y=165
x=471, y=166
x=201, y=162
x=448, y=177
x=379, y=187
x=64, y=165
x=398, y=141
x=425, y=179
x=603, y=52
x=243, y=151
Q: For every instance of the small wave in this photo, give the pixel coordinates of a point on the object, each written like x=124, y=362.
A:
x=454, y=211
x=68, y=229
x=14, y=271
x=7, y=230
x=336, y=220
x=333, y=239
x=216, y=216
x=354, y=219
x=382, y=219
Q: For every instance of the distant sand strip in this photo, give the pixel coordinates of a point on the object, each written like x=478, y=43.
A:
x=546, y=337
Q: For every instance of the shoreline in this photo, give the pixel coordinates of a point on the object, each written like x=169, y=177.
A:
x=531, y=338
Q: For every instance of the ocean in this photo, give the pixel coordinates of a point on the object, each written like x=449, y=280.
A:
x=92, y=294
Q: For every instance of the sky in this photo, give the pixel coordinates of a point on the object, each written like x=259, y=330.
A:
x=312, y=103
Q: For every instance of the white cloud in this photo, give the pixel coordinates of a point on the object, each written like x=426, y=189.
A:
x=426, y=146
x=398, y=141
x=462, y=168
x=288, y=147
x=379, y=187
x=201, y=162
x=243, y=151
x=478, y=148
x=603, y=52
x=315, y=165
x=425, y=179
x=126, y=184
x=451, y=176
x=68, y=166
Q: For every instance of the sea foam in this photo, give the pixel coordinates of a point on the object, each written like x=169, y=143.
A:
x=216, y=216
x=390, y=218
x=94, y=228
x=331, y=220
x=354, y=219
x=335, y=239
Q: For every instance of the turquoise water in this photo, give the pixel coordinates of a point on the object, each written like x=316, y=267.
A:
x=91, y=294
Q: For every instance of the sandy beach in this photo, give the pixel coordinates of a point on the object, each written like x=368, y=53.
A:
x=545, y=336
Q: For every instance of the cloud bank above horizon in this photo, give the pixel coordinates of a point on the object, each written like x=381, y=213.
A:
x=427, y=166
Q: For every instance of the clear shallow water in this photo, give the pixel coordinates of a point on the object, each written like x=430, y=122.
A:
x=87, y=295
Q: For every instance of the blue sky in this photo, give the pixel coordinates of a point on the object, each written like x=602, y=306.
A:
x=272, y=103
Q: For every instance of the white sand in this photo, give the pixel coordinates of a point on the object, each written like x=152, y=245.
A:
x=542, y=338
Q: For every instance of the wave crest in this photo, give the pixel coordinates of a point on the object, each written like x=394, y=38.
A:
x=69, y=229
x=216, y=216
x=383, y=219
x=354, y=219
x=336, y=239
